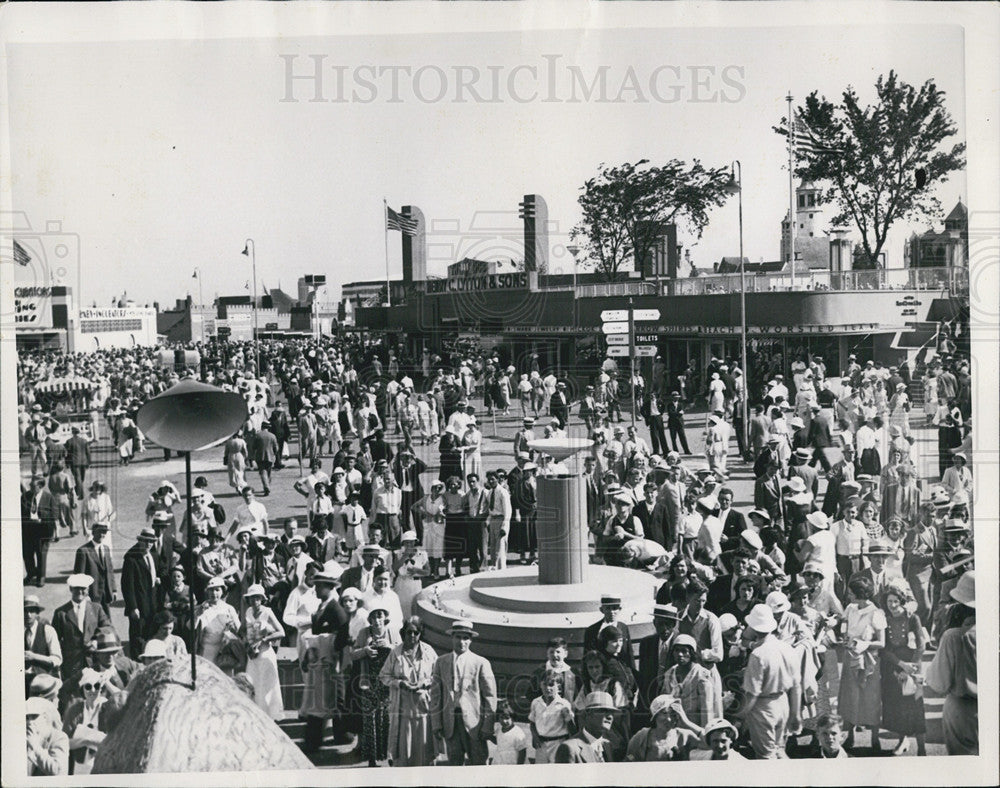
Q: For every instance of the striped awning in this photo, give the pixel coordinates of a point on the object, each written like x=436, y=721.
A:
x=65, y=385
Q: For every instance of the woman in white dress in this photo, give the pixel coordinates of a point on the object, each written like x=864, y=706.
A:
x=430, y=509
x=410, y=567
x=899, y=409
x=213, y=619
x=261, y=630
x=472, y=443
x=98, y=508
x=716, y=393
x=381, y=597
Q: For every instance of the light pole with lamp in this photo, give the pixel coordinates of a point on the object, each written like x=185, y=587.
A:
x=250, y=250
x=735, y=186
x=201, y=295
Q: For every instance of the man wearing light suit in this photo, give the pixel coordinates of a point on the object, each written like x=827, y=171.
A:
x=591, y=745
x=463, y=699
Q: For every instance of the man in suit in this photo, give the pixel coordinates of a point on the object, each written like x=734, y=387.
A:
x=644, y=511
x=282, y=432
x=669, y=508
x=463, y=699
x=593, y=485
x=653, y=656
x=767, y=494
x=140, y=583
x=329, y=619
x=733, y=522
x=265, y=454
x=821, y=435
x=406, y=467
x=165, y=547
x=94, y=559
x=840, y=474
x=611, y=607
x=651, y=409
x=591, y=744
x=675, y=423
x=78, y=459
x=800, y=467
x=587, y=407
x=877, y=555
x=559, y=405
x=760, y=430
x=768, y=454
x=76, y=623
x=361, y=577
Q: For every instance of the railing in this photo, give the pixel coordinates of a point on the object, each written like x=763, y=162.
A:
x=955, y=280
x=616, y=289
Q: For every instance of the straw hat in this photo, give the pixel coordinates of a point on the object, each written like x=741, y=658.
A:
x=463, y=626
x=965, y=590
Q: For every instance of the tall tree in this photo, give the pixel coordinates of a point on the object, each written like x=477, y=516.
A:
x=881, y=161
x=626, y=207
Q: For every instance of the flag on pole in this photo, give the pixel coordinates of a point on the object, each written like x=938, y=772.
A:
x=396, y=221
x=21, y=256
x=805, y=143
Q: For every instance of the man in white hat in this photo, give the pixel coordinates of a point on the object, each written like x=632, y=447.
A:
x=953, y=674
x=76, y=622
x=771, y=686
x=591, y=744
x=463, y=699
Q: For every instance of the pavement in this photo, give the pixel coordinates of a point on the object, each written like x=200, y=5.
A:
x=130, y=486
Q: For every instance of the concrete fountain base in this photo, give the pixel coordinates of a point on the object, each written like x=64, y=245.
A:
x=515, y=615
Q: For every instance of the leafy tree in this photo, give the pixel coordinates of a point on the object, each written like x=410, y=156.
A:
x=625, y=208
x=882, y=160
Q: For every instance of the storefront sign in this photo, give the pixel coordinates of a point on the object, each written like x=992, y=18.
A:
x=515, y=280
x=114, y=313
x=33, y=307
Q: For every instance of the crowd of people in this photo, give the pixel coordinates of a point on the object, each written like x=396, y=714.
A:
x=811, y=611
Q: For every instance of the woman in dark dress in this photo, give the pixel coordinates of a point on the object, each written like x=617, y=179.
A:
x=451, y=456
x=747, y=595
x=371, y=649
x=902, y=692
x=177, y=601
x=455, y=525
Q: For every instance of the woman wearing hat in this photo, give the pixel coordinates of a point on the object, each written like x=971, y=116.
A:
x=431, y=511
x=410, y=566
x=671, y=737
x=860, y=697
x=86, y=722
x=213, y=620
x=370, y=652
x=718, y=738
x=953, y=673
x=690, y=682
x=98, y=508
x=899, y=409
x=407, y=673
x=261, y=629
x=958, y=478
x=900, y=664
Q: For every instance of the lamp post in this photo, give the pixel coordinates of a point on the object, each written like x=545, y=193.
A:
x=201, y=295
x=187, y=417
x=735, y=186
x=250, y=250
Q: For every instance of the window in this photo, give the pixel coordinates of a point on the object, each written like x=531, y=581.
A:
x=802, y=201
x=812, y=200
x=811, y=215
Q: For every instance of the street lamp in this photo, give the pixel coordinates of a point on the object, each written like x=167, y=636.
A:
x=735, y=186
x=250, y=250
x=197, y=275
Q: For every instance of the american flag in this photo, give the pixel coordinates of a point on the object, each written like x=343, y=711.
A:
x=396, y=221
x=21, y=256
x=804, y=142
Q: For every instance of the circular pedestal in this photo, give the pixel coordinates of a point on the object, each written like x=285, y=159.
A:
x=515, y=616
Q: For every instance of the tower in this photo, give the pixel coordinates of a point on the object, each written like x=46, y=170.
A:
x=811, y=245
x=415, y=247
x=533, y=211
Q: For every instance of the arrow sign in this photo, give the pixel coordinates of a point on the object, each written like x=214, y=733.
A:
x=646, y=351
x=646, y=314
x=615, y=328
x=614, y=314
x=618, y=350
x=617, y=339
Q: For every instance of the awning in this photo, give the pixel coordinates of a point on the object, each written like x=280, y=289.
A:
x=65, y=385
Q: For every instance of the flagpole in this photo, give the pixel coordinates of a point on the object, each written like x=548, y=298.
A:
x=791, y=188
x=385, y=229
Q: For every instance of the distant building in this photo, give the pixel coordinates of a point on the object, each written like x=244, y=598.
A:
x=947, y=249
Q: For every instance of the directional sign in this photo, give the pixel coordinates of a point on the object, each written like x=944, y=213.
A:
x=646, y=314
x=614, y=314
x=618, y=350
x=617, y=339
x=615, y=328
x=646, y=351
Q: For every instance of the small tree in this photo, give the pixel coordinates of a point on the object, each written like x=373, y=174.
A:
x=625, y=208
x=880, y=160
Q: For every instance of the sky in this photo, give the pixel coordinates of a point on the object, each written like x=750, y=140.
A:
x=165, y=156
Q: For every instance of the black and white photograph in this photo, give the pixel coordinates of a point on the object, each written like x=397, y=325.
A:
x=396, y=387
